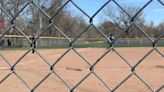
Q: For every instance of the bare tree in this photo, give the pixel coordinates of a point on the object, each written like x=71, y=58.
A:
x=122, y=19
x=32, y=20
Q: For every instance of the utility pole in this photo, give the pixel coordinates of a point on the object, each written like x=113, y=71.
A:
x=39, y=27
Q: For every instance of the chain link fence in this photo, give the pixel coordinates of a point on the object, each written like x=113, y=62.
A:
x=92, y=71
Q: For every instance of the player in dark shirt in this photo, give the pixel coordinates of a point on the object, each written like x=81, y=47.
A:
x=33, y=44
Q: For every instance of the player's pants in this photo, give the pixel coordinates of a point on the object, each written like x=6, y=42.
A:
x=34, y=46
x=109, y=45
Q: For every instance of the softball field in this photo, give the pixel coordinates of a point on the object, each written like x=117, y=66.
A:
x=112, y=69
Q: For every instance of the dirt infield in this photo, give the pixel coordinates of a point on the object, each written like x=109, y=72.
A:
x=112, y=69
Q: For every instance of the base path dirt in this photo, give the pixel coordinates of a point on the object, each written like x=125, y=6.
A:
x=113, y=68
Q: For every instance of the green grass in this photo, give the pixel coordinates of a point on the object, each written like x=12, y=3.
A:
x=79, y=46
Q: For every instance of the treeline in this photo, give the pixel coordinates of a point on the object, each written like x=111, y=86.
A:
x=135, y=31
x=34, y=19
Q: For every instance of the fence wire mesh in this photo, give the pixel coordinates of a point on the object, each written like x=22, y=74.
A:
x=92, y=71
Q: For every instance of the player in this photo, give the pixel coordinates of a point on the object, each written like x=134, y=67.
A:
x=8, y=43
x=110, y=40
x=33, y=44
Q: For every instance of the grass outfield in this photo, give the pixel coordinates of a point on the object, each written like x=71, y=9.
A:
x=78, y=46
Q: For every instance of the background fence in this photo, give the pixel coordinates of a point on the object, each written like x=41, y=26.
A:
x=21, y=41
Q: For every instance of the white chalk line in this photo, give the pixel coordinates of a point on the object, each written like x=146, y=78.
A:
x=82, y=50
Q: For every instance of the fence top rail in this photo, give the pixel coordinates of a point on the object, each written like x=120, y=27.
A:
x=48, y=37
